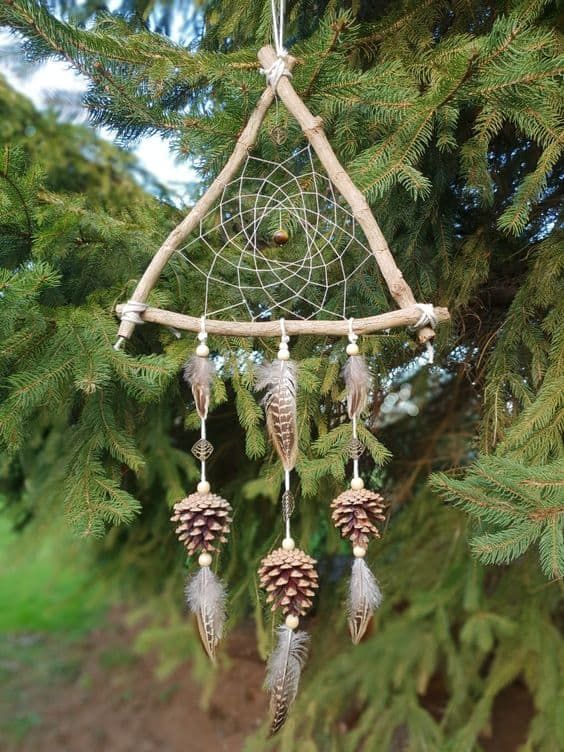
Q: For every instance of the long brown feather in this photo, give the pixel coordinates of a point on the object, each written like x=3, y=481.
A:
x=199, y=373
x=284, y=672
x=279, y=380
x=357, y=380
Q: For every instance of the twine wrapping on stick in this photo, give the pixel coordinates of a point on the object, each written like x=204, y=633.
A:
x=130, y=312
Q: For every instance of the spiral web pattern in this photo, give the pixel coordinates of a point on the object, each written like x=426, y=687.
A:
x=243, y=268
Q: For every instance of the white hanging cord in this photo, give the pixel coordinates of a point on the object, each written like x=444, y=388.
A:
x=283, y=349
x=278, y=68
x=287, y=491
x=202, y=339
x=353, y=338
x=202, y=335
x=284, y=339
x=352, y=350
x=203, y=460
x=355, y=439
x=427, y=318
x=278, y=25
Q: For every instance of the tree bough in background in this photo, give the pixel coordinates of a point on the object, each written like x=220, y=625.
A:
x=448, y=117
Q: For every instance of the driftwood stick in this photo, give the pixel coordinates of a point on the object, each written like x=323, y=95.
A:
x=408, y=316
x=244, y=144
x=313, y=129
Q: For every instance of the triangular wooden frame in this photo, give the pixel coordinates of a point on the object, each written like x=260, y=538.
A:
x=409, y=314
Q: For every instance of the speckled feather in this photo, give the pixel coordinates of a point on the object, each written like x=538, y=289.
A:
x=364, y=598
x=206, y=597
x=283, y=673
x=357, y=380
x=278, y=378
x=199, y=373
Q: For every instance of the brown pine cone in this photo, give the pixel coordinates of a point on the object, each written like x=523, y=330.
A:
x=290, y=580
x=356, y=513
x=203, y=521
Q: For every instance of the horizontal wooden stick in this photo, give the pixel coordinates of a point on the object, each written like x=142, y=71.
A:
x=391, y=320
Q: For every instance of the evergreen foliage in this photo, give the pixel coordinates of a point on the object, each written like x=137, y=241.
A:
x=447, y=116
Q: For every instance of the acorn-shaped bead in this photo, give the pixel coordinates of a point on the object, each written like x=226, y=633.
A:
x=290, y=580
x=281, y=236
x=356, y=514
x=202, y=521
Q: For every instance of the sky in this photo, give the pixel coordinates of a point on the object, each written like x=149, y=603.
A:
x=41, y=81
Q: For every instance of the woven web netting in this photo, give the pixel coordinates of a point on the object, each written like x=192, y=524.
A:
x=320, y=271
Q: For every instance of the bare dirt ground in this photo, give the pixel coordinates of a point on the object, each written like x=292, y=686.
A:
x=98, y=695
x=102, y=697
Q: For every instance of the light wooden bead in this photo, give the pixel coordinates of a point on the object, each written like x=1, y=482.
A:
x=288, y=544
x=359, y=552
x=283, y=355
x=292, y=621
x=202, y=351
x=203, y=487
x=357, y=484
x=352, y=349
x=205, y=559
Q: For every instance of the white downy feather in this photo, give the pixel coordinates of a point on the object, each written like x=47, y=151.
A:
x=283, y=673
x=199, y=373
x=364, y=598
x=279, y=380
x=206, y=597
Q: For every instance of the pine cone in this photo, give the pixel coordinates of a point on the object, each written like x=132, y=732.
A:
x=290, y=580
x=356, y=514
x=204, y=521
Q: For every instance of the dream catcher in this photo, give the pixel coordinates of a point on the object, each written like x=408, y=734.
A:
x=284, y=246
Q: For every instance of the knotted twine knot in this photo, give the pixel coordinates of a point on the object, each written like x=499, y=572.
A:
x=428, y=317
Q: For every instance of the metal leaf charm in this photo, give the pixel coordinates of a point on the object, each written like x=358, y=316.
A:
x=355, y=449
x=288, y=505
x=202, y=449
x=278, y=134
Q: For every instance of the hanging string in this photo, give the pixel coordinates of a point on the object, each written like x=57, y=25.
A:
x=278, y=68
x=278, y=25
x=353, y=338
x=202, y=339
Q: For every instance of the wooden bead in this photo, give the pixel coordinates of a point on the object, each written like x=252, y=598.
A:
x=283, y=355
x=202, y=351
x=292, y=621
x=203, y=487
x=352, y=349
x=281, y=236
x=205, y=559
x=357, y=484
x=288, y=544
x=359, y=552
